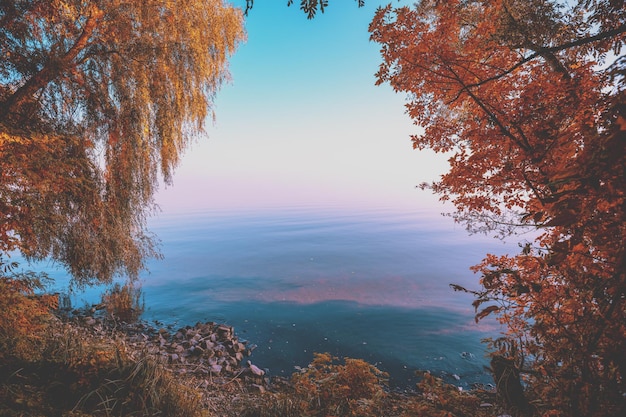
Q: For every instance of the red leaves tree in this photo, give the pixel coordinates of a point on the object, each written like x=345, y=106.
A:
x=528, y=97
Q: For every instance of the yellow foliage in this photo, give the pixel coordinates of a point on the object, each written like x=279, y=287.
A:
x=354, y=388
x=24, y=317
x=110, y=98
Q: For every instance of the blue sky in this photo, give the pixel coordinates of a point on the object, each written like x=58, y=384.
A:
x=302, y=123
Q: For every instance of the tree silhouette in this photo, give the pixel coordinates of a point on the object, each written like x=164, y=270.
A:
x=309, y=7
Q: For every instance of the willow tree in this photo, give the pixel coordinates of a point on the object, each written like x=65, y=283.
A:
x=97, y=101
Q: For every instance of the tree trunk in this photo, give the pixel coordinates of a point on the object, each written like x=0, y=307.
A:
x=509, y=387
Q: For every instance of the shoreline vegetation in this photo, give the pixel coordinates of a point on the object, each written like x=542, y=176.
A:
x=102, y=360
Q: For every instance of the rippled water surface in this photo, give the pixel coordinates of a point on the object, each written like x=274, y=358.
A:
x=371, y=284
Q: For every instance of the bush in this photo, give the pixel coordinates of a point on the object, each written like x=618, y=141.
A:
x=330, y=388
x=124, y=302
x=24, y=315
x=439, y=399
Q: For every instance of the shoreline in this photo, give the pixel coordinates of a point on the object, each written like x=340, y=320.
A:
x=192, y=370
x=208, y=350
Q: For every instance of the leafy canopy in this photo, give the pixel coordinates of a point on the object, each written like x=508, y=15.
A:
x=528, y=98
x=97, y=100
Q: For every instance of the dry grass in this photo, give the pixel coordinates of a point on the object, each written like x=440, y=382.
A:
x=82, y=374
x=124, y=302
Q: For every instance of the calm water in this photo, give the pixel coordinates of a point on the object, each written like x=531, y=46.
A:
x=372, y=284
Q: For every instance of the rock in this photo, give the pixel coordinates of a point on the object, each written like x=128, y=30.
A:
x=204, y=349
x=225, y=332
x=205, y=329
x=467, y=355
x=258, y=388
x=196, y=350
x=255, y=369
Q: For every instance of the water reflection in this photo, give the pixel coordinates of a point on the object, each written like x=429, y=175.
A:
x=367, y=284
x=373, y=285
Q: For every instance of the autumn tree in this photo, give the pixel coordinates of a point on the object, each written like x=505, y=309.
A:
x=527, y=96
x=97, y=101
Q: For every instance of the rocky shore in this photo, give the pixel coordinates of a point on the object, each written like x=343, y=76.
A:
x=100, y=365
x=209, y=352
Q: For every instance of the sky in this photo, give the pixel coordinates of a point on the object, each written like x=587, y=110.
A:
x=302, y=123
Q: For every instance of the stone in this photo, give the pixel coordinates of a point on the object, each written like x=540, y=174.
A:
x=258, y=388
x=207, y=349
x=255, y=369
x=196, y=350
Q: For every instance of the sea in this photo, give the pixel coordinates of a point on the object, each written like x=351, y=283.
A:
x=372, y=284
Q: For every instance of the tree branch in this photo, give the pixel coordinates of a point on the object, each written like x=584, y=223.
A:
x=543, y=51
x=51, y=70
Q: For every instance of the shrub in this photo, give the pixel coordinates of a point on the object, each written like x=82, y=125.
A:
x=24, y=315
x=439, y=399
x=330, y=388
x=124, y=302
